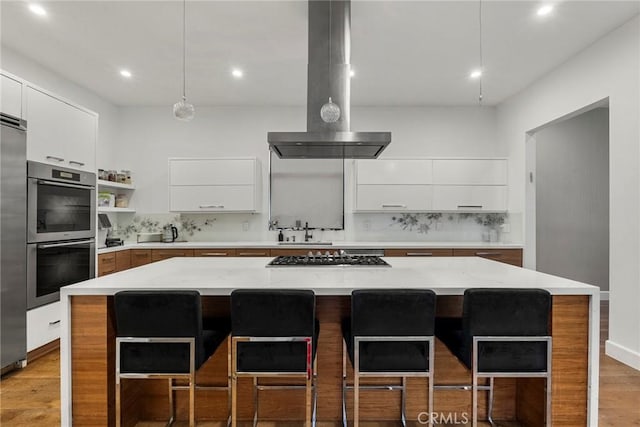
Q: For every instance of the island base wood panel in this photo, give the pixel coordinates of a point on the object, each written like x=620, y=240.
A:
x=93, y=358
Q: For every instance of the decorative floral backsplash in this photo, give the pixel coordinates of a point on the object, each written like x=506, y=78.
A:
x=435, y=226
x=147, y=224
x=424, y=222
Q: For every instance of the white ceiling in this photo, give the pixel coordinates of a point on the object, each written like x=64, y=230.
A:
x=403, y=52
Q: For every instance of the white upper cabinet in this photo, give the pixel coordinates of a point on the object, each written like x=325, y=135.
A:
x=393, y=185
x=469, y=185
x=59, y=133
x=11, y=96
x=410, y=172
x=470, y=198
x=212, y=171
x=422, y=185
x=214, y=185
x=470, y=172
x=393, y=198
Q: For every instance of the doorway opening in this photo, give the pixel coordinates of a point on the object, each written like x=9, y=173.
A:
x=567, y=200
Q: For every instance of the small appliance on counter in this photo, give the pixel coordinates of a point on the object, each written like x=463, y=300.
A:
x=104, y=229
x=169, y=233
x=149, y=237
x=114, y=241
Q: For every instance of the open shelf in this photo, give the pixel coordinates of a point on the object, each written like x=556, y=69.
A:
x=111, y=184
x=105, y=209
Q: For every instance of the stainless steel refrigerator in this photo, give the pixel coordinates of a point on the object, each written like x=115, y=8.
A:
x=13, y=242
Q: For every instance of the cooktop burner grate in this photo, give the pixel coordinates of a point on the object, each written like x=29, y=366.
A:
x=328, y=260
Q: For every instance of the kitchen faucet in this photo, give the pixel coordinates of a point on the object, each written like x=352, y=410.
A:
x=307, y=236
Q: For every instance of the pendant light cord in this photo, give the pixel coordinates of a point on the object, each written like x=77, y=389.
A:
x=330, y=36
x=480, y=51
x=184, y=49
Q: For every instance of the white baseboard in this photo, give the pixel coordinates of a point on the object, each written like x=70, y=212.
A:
x=622, y=354
x=604, y=295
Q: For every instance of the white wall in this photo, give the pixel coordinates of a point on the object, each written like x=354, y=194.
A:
x=609, y=68
x=572, y=198
x=35, y=73
x=150, y=135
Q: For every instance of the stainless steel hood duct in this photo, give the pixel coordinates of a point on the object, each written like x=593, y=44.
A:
x=329, y=78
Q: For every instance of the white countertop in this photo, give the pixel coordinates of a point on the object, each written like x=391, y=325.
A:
x=219, y=276
x=341, y=245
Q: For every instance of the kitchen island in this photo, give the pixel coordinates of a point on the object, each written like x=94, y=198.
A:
x=87, y=341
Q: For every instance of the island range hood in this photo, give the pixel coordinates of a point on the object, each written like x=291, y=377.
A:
x=329, y=75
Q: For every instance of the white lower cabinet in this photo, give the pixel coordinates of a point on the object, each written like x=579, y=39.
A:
x=43, y=325
x=212, y=198
x=470, y=198
x=393, y=198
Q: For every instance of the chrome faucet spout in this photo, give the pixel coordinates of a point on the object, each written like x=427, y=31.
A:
x=307, y=236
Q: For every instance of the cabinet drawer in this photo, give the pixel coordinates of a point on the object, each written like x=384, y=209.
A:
x=465, y=198
x=253, y=252
x=123, y=260
x=394, y=171
x=421, y=252
x=214, y=252
x=393, y=198
x=160, y=254
x=470, y=172
x=212, y=198
x=212, y=171
x=140, y=257
x=508, y=256
x=106, y=263
x=43, y=325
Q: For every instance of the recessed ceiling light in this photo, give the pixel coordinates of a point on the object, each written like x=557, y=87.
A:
x=352, y=73
x=545, y=10
x=37, y=9
x=475, y=74
x=237, y=73
x=125, y=73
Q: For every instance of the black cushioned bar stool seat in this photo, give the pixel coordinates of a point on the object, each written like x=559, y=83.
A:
x=274, y=333
x=160, y=335
x=394, y=331
x=510, y=328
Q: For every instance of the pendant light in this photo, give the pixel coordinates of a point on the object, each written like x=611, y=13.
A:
x=183, y=110
x=330, y=112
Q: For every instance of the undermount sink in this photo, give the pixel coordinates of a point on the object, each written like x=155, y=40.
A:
x=306, y=243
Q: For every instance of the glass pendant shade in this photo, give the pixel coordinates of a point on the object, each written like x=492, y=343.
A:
x=330, y=112
x=183, y=110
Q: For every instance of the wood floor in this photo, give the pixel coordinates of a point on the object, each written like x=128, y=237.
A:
x=31, y=396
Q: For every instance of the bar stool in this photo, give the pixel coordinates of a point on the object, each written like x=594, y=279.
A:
x=274, y=334
x=502, y=333
x=159, y=335
x=390, y=334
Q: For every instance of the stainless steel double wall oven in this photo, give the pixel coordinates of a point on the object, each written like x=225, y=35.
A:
x=61, y=225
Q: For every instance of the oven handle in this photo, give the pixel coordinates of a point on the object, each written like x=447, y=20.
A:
x=58, y=245
x=64, y=184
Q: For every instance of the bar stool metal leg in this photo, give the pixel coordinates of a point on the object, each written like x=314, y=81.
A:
x=315, y=392
x=490, y=403
x=403, y=405
x=255, y=401
x=356, y=386
x=118, y=408
x=344, y=384
x=172, y=403
x=229, y=382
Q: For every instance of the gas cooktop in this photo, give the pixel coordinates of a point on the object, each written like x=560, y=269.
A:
x=328, y=259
